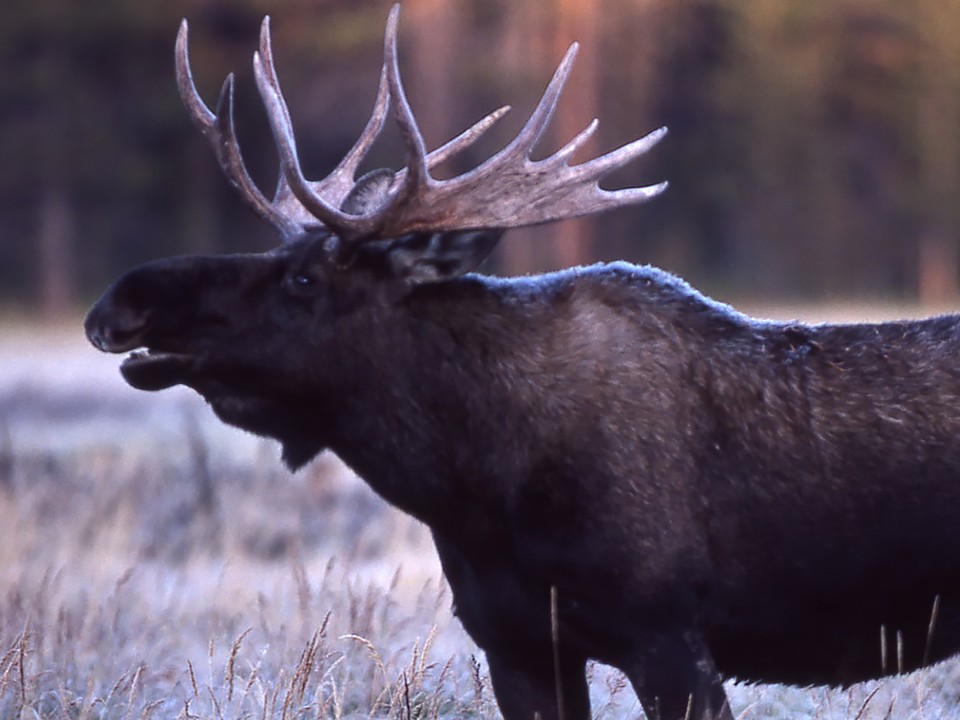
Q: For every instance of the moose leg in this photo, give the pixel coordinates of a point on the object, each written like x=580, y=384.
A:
x=675, y=678
x=527, y=687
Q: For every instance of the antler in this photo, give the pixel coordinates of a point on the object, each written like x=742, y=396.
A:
x=507, y=190
x=299, y=205
x=323, y=198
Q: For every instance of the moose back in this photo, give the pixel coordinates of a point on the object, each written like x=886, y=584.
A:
x=613, y=466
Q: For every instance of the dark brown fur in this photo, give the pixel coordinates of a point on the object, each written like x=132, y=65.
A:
x=710, y=495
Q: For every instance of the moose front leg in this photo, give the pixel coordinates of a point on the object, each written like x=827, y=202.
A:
x=511, y=621
x=528, y=687
x=675, y=678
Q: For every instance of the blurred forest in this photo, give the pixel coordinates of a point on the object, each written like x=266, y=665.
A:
x=813, y=151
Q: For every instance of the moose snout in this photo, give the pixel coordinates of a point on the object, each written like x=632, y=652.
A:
x=115, y=328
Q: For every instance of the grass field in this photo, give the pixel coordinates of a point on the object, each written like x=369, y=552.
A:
x=154, y=563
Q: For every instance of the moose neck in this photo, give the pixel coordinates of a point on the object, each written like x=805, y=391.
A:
x=429, y=413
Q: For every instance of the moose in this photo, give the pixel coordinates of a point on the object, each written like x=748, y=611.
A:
x=612, y=465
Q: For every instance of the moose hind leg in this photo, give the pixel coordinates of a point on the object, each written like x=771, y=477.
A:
x=527, y=688
x=675, y=678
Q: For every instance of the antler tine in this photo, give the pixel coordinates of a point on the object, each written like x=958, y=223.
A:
x=540, y=118
x=199, y=112
x=337, y=185
x=410, y=181
x=417, y=172
x=279, y=116
x=218, y=127
x=570, y=149
x=466, y=138
x=522, y=144
x=593, y=170
x=406, y=120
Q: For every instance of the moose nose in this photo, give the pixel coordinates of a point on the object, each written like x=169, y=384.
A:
x=114, y=329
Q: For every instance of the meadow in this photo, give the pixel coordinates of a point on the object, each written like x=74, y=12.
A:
x=156, y=564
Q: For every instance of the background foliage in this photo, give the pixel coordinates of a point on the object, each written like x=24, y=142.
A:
x=813, y=148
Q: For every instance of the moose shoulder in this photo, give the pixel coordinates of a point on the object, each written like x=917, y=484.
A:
x=684, y=492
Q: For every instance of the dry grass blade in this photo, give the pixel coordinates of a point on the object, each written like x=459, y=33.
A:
x=555, y=637
x=406, y=696
x=477, y=680
x=134, y=685
x=423, y=666
x=216, y=705
x=372, y=650
x=883, y=648
x=22, y=665
x=301, y=676
x=193, y=681
x=89, y=699
x=866, y=702
x=337, y=702
x=889, y=713
x=231, y=663
x=325, y=623
x=117, y=688
x=270, y=703
x=303, y=588
x=900, y=664
x=149, y=709
x=934, y=612
x=185, y=713
x=433, y=710
x=253, y=677
x=9, y=662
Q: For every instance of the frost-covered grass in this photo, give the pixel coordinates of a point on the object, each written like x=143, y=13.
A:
x=166, y=585
x=156, y=564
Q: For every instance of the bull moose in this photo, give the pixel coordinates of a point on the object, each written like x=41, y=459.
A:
x=613, y=466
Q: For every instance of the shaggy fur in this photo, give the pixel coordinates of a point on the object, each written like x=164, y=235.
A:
x=710, y=495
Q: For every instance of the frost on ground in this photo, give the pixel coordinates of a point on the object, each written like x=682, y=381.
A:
x=155, y=563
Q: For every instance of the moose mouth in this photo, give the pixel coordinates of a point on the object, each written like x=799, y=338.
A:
x=146, y=369
x=236, y=394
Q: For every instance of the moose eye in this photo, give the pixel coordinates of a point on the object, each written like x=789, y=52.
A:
x=300, y=284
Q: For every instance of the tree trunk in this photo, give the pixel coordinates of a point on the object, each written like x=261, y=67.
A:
x=433, y=50
x=55, y=237
x=938, y=117
x=575, y=240
x=936, y=269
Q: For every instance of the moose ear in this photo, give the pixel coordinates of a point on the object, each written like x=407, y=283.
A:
x=418, y=257
x=369, y=192
x=433, y=257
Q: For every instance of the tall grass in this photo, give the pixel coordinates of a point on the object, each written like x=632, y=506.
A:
x=159, y=587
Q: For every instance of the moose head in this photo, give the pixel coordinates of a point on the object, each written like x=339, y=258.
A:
x=257, y=334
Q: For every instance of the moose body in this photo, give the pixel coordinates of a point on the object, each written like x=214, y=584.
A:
x=613, y=466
